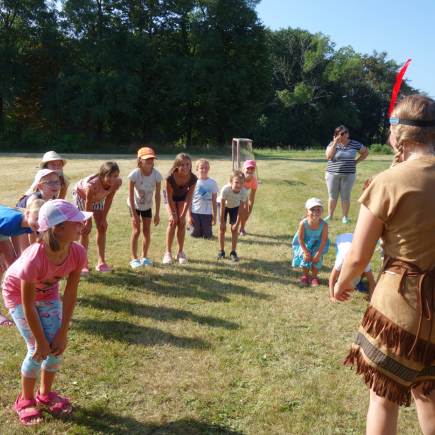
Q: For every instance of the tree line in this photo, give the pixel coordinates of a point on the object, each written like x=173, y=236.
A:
x=183, y=72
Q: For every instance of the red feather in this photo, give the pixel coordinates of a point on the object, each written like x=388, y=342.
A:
x=397, y=86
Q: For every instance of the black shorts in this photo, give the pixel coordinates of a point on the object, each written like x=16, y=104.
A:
x=233, y=212
x=142, y=213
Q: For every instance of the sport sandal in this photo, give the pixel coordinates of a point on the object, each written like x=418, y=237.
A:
x=304, y=280
x=20, y=408
x=135, y=264
x=181, y=258
x=315, y=282
x=167, y=258
x=233, y=256
x=103, y=268
x=221, y=254
x=56, y=408
x=146, y=261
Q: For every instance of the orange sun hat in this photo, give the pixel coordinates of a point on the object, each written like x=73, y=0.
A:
x=146, y=153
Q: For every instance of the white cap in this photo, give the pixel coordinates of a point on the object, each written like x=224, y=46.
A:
x=312, y=202
x=43, y=172
x=58, y=211
x=50, y=157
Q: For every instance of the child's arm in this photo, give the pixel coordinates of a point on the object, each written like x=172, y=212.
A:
x=322, y=246
x=68, y=303
x=187, y=204
x=214, y=202
x=223, y=223
x=189, y=214
x=250, y=203
x=301, y=233
x=242, y=206
x=332, y=278
x=372, y=284
x=157, y=199
x=88, y=207
x=135, y=220
x=107, y=204
x=28, y=296
x=173, y=217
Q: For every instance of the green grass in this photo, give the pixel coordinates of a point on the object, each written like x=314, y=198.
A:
x=208, y=347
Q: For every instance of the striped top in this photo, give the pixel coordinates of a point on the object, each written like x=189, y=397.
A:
x=344, y=158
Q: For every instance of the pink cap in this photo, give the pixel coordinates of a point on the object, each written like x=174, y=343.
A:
x=249, y=164
x=58, y=211
x=43, y=172
x=313, y=202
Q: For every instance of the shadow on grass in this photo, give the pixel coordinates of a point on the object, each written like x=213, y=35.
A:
x=134, y=334
x=102, y=302
x=175, y=285
x=101, y=421
x=294, y=182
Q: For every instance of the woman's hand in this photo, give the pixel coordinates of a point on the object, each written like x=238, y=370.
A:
x=342, y=293
x=42, y=350
x=59, y=345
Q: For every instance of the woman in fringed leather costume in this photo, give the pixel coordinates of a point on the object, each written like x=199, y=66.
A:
x=395, y=345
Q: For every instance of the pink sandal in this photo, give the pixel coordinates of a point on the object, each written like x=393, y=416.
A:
x=20, y=408
x=57, y=408
x=4, y=321
x=103, y=268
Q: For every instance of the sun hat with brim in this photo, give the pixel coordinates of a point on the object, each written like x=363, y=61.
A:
x=58, y=211
x=51, y=156
x=146, y=153
x=44, y=172
x=313, y=202
x=249, y=164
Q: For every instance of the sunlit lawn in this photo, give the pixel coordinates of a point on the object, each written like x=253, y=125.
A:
x=209, y=347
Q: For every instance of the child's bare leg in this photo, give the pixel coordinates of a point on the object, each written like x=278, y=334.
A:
x=382, y=416
x=221, y=237
x=332, y=204
x=146, y=236
x=234, y=238
x=100, y=237
x=181, y=228
x=28, y=387
x=425, y=410
x=306, y=271
x=243, y=219
x=47, y=379
x=314, y=271
x=15, y=240
x=84, y=241
x=135, y=233
x=170, y=234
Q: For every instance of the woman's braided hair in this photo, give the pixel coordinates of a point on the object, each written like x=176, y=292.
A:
x=414, y=107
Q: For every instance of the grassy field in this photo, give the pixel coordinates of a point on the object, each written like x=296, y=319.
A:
x=207, y=347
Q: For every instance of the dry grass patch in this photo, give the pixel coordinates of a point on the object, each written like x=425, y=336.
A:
x=208, y=347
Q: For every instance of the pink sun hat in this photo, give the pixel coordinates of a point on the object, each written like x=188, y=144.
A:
x=43, y=172
x=58, y=211
x=249, y=164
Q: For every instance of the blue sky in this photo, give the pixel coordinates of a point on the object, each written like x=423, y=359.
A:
x=404, y=29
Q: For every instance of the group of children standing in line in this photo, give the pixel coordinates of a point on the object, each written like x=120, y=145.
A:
x=34, y=267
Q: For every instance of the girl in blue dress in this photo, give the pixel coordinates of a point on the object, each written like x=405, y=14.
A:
x=311, y=242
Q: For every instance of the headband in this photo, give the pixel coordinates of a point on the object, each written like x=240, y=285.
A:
x=413, y=122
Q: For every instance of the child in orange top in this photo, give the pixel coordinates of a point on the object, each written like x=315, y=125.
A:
x=251, y=184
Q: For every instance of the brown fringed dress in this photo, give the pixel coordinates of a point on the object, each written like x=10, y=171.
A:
x=395, y=345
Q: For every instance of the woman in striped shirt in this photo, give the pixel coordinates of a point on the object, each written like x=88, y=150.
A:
x=341, y=170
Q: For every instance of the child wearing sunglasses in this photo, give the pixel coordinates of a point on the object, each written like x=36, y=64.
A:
x=47, y=186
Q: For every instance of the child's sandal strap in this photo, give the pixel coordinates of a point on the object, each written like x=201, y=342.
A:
x=22, y=404
x=45, y=400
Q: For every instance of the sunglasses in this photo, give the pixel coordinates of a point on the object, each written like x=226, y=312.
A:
x=344, y=132
x=53, y=183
